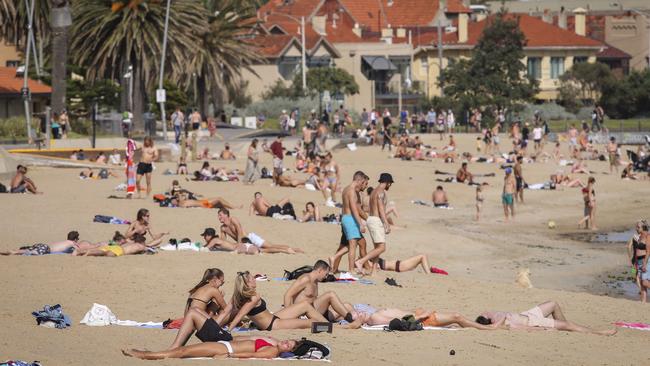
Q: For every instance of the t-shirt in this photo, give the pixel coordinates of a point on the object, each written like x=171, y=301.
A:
x=524, y=133
x=177, y=118
x=537, y=133
x=276, y=149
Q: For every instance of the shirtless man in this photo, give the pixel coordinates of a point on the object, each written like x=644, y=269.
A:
x=71, y=242
x=260, y=206
x=519, y=179
x=352, y=221
x=378, y=225
x=507, y=198
x=439, y=197
x=305, y=288
x=231, y=227
x=226, y=154
x=547, y=315
x=573, y=138
x=145, y=167
x=182, y=200
x=213, y=242
x=464, y=175
x=612, y=152
x=20, y=183
x=123, y=246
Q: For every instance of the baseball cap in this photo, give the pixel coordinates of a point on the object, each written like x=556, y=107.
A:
x=209, y=231
x=385, y=178
x=508, y=170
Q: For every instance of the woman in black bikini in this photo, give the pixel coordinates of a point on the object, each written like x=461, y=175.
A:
x=200, y=313
x=248, y=303
x=142, y=226
x=637, y=250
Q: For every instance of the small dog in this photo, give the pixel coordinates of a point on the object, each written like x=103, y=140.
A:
x=523, y=278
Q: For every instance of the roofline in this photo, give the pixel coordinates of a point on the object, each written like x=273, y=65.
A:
x=347, y=11
x=468, y=46
x=323, y=40
x=316, y=9
x=277, y=26
x=20, y=95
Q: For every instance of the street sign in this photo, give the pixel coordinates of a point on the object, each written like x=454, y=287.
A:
x=161, y=97
x=24, y=92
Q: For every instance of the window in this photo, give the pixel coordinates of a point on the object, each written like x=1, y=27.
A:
x=535, y=67
x=557, y=67
x=579, y=59
x=318, y=61
x=13, y=63
x=288, y=67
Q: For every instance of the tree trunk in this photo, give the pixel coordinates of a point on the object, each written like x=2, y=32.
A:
x=59, y=58
x=139, y=93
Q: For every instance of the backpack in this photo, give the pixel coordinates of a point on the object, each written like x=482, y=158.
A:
x=287, y=209
x=3, y=188
x=406, y=324
x=311, y=350
x=293, y=275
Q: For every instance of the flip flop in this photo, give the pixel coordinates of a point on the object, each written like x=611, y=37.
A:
x=392, y=282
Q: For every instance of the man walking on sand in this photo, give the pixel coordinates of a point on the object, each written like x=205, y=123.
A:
x=519, y=179
x=352, y=220
x=145, y=166
x=278, y=156
x=509, y=186
x=305, y=288
x=378, y=225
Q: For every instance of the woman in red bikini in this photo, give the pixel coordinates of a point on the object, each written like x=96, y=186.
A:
x=240, y=347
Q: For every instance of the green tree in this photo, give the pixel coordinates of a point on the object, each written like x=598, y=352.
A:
x=106, y=39
x=279, y=90
x=584, y=82
x=494, y=76
x=332, y=79
x=629, y=97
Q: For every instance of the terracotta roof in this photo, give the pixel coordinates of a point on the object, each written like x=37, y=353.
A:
x=272, y=46
x=539, y=34
x=611, y=52
x=10, y=84
x=296, y=8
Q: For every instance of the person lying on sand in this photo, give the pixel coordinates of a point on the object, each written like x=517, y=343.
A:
x=547, y=315
x=121, y=246
x=240, y=347
x=246, y=302
x=20, y=183
x=182, y=200
x=231, y=227
x=285, y=181
x=305, y=288
x=213, y=242
x=429, y=318
x=405, y=265
x=260, y=206
x=72, y=242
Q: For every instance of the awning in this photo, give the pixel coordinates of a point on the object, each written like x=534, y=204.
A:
x=379, y=63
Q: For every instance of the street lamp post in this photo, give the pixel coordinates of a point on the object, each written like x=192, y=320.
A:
x=303, y=53
x=160, y=93
x=25, y=91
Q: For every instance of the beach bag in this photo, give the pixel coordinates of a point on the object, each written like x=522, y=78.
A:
x=102, y=218
x=406, y=324
x=287, y=209
x=311, y=350
x=290, y=276
x=3, y=188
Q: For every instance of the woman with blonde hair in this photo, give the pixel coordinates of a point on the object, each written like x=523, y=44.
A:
x=638, y=252
x=246, y=302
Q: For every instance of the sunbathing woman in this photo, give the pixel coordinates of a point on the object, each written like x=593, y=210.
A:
x=560, y=179
x=182, y=200
x=142, y=226
x=247, y=302
x=244, y=347
x=405, y=265
x=120, y=246
x=311, y=213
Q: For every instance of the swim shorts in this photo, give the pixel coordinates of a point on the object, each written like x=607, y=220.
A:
x=256, y=240
x=273, y=210
x=645, y=276
x=430, y=321
x=37, y=249
x=537, y=319
x=350, y=227
x=115, y=249
x=19, y=189
x=206, y=204
x=144, y=168
x=520, y=183
x=506, y=198
x=376, y=229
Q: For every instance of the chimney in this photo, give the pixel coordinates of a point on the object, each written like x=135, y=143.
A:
x=462, y=28
x=547, y=17
x=580, y=20
x=318, y=23
x=357, y=30
x=561, y=19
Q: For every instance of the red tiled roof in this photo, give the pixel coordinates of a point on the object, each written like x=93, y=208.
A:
x=610, y=52
x=538, y=34
x=271, y=46
x=11, y=84
x=296, y=8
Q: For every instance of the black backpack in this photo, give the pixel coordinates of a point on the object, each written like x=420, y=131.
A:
x=293, y=275
x=3, y=188
x=406, y=324
x=311, y=350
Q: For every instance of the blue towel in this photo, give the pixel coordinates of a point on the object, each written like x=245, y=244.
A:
x=52, y=314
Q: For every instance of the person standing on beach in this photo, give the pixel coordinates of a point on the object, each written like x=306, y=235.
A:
x=589, y=198
x=509, y=188
x=278, y=155
x=252, y=169
x=131, y=147
x=519, y=180
x=145, y=166
x=377, y=222
x=612, y=152
x=178, y=120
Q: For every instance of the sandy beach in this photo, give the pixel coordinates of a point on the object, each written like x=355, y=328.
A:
x=482, y=259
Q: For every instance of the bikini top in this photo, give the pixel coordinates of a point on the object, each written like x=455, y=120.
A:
x=258, y=309
x=190, y=299
x=638, y=245
x=260, y=343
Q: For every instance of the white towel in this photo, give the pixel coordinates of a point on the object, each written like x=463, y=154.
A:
x=381, y=327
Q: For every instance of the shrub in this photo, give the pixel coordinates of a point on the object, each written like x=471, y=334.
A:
x=15, y=127
x=549, y=111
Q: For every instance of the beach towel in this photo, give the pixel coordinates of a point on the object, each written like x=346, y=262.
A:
x=52, y=316
x=20, y=363
x=110, y=220
x=381, y=327
x=637, y=326
x=100, y=316
x=428, y=204
x=196, y=247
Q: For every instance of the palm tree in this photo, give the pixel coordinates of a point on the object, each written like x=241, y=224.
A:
x=60, y=23
x=224, y=51
x=107, y=39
